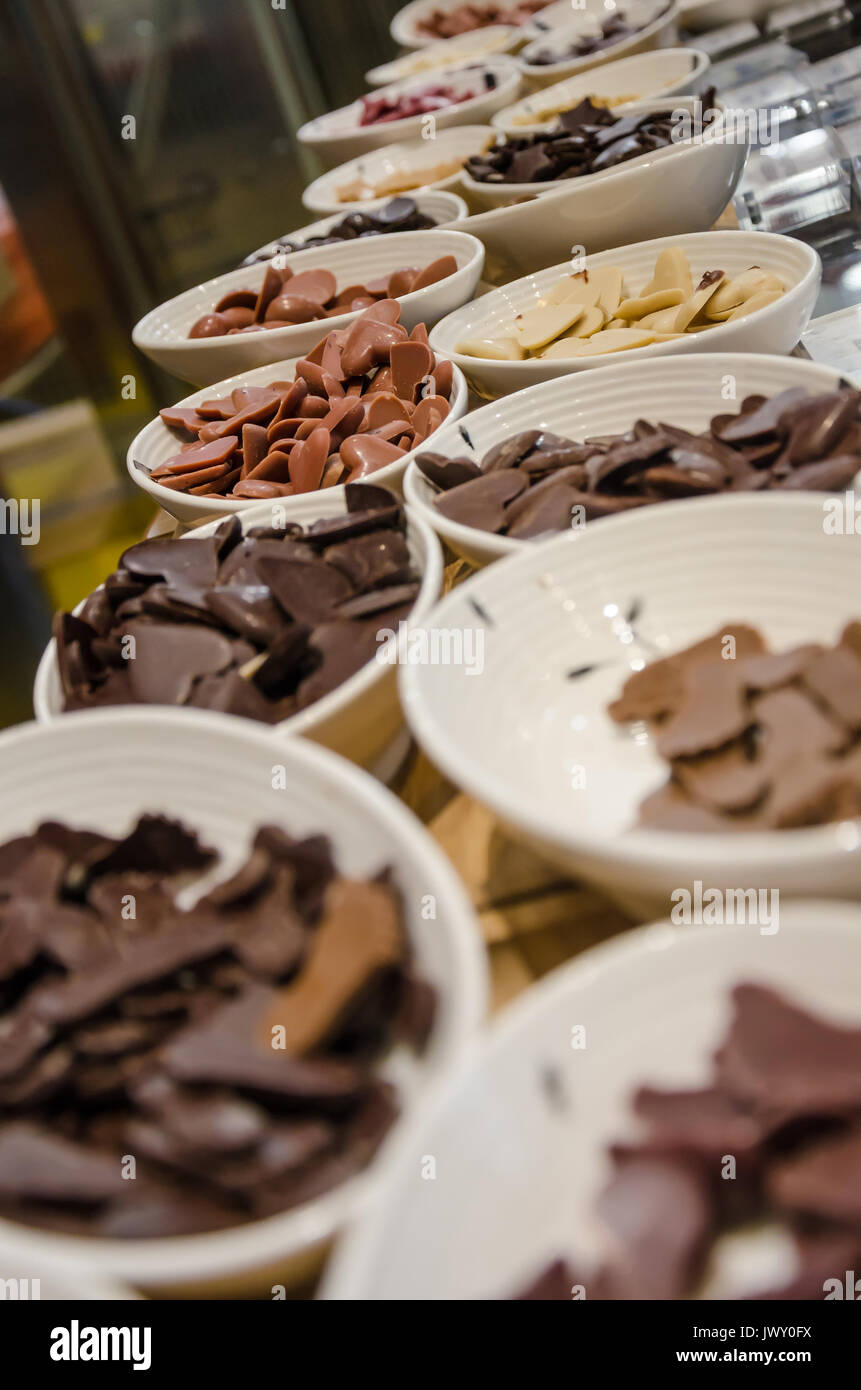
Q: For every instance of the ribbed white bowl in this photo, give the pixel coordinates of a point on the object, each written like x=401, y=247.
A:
x=563, y=26
x=677, y=192
x=156, y=442
x=215, y=774
x=654, y=1004
x=696, y=391
x=642, y=77
x=163, y=333
x=701, y=167
x=776, y=328
x=402, y=158
x=362, y=718
x=337, y=136
x=682, y=569
x=448, y=54
x=444, y=208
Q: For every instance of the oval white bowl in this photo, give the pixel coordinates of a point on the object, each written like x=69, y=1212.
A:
x=180, y=763
x=494, y=195
x=683, y=190
x=361, y=718
x=337, y=136
x=156, y=442
x=654, y=1004
x=642, y=77
x=555, y=28
x=688, y=398
x=403, y=27
x=558, y=647
x=402, y=158
x=163, y=333
x=446, y=209
x=773, y=329
x=446, y=55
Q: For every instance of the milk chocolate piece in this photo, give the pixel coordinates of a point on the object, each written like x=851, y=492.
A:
x=823, y=1181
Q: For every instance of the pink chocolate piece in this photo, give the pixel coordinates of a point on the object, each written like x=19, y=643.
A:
x=255, y=446
x=257, y=487
x=419, y=334
x=410, y=362
x=365, y=453
x=198, y=456
x=274, y=468
x=269, y=290
x=318, y=285
x=308, y=460
x=429, y=413
x=209, y=326
x=402, y=282
x=384, y=311
x=236, y=299
x=368, y=344
x=384, y=408
x=179, y=418
x=238, y=318
x=220, y=409
x=292, y=308
x=184, y=482
x=437, y=270
x=443, y=376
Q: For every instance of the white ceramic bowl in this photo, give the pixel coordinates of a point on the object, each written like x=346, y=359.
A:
x=773, y=329
x=642, y=77
x=163, y=333
x=404, y=26
x=362, y=718
x=156, y=442
x=447, y=54
x=689, y=396
x=660, y=30
x=446, y=209
x=686, y=191
x=699, y=15
x=337, y=136
x=552, y=765
x=403, y=160
x=703, y=167
x=215, y=773
x=654, y=1004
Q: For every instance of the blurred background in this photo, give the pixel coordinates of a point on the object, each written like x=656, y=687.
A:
x=95, y=229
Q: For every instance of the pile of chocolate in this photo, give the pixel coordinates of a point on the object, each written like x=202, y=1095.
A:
x=260, y=625
x=378, y=109
x=463, y=19
x=531, y=484
x=230, y=1050
x=785, y=1102
x=755, y=740
x=285, y=299
x=397, y=215
x=362, y=398
x=614, y=29
x=588, y=138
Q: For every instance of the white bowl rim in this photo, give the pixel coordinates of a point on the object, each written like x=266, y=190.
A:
x=328, y=706
x=345, y=1274
x=640, y=354
x=317, y=190
x=175, y=1259
x=512, y=36
x=314, y=132
x=642, y=848
x=581, y=64
x=459, y=212
x=145, y=338
x=456, y=533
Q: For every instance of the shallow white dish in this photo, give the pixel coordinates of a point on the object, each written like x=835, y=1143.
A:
x=773, y=329
x=679, y=191
x=696, y=391
x=558, y=30
x=181, y=763
x=654, y=1003
x=163, y=333
x=642, y=77
x=362, y=718
x=156, y=442
x=404, y=25
x=406, y=160
x=563, y=621
x=337, y=136
x=702, y=167
x=447, y=54
x=445, y=208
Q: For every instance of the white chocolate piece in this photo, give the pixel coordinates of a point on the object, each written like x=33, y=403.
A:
x=661, y=322
x=609, y=281
x=538, y=327
x=649, y=304
x=672, y=272
x=611, y=340
x=692, y=307
x=581, y=288
x=496, y=349
x=736, y=290
x=756, y=301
